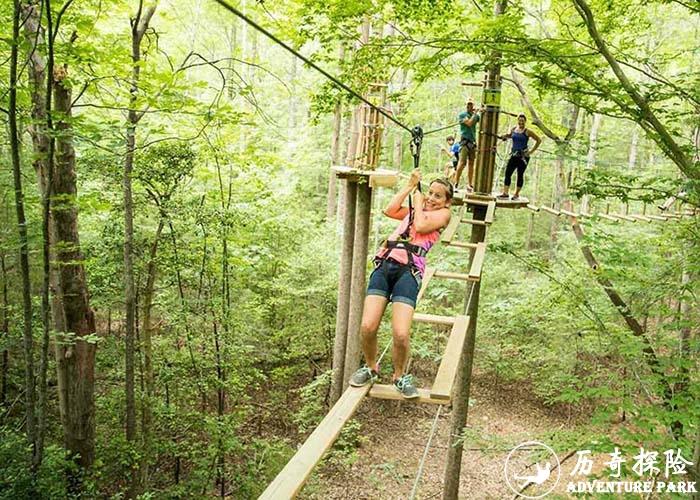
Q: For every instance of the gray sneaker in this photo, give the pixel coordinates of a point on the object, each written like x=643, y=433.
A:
x=363, y=376
x=405, y=386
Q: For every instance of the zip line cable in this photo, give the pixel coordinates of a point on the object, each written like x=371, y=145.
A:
x=333, y=79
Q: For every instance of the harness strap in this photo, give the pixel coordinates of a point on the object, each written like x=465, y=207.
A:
x=411, y=248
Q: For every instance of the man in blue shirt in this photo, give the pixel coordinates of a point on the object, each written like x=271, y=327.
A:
x=467, y=143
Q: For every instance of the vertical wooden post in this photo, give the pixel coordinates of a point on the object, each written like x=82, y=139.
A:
x=483, y=183
x=343, y=308
x=357, y=287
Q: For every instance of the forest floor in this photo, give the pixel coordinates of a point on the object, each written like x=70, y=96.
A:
x=393, y=437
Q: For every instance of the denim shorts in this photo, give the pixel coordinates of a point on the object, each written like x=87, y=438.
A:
x=395, y=282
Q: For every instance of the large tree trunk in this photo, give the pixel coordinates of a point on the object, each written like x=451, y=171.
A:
x=76, y=354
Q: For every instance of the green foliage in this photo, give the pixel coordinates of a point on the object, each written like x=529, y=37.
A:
x=17, y=481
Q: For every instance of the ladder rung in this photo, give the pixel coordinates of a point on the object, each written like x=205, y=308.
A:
x=570, y=214
x=551, y=210
x=462, y=244
x=384, y=391
x=625, y=217
x=608, y=217
x=454, y=276
x=433, y=318
x=474, y=221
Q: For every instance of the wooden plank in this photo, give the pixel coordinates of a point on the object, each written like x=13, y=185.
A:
x=608, y=217
x=463, y=244
x=656, y=217
x=473, y=221
x=551, y=210
x=477, y=262
x=642, y=218
x=451, y=229
x=382, y=391
x=433, y=318
x=445, y=378
x=532, y=207
x=490, y=211
x=290, y=480
x=570, y=214
x=454, y=276
x=625, y=217
x=427, y=276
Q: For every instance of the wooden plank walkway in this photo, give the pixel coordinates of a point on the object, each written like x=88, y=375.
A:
x=290, y=480
x=445, y=378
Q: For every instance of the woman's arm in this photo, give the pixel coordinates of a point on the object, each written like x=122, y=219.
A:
x=536, y=138
x=394, y=209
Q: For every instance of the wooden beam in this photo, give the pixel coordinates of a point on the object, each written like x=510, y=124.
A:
x=433, y=318
x=551, y=210
x=427, y=276
x=643, y=218
x=570, y=214
x=451, y=229
x=532, y=207
x=445, y=378
x=462, y=244
x=490, y=210
x=290, y=480
x=454, y=276
x=656, y=217
x=382, y=391
x=608, y=217
x=474, y=222
x=477, y=262
x=625, y=217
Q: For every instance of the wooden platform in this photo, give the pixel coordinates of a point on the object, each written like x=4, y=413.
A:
x=376, y=178
x=461, y=197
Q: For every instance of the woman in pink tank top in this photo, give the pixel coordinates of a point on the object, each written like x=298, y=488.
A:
x=399, y=267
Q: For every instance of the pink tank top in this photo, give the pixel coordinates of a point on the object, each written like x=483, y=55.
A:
x=425, y=240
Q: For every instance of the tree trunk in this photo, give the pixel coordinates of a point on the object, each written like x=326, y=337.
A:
x=28, y=340
x=592, y=151
x=139, y=25
x=4, y=330
x=76, y=354
x=43, y=154
x=147, y=349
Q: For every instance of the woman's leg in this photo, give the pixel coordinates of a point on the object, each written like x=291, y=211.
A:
x=371, y=318
x=510, y=168
x=401, y=319
x=520, y=180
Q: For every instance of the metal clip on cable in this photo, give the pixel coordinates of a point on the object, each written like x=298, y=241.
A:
x=416, y=143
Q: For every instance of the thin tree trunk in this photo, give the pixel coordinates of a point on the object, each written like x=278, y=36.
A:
x=42, y=149
x=139, y=25
x=28, y=340
x=147, y=348
x=592, y=151
x=4, y=330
